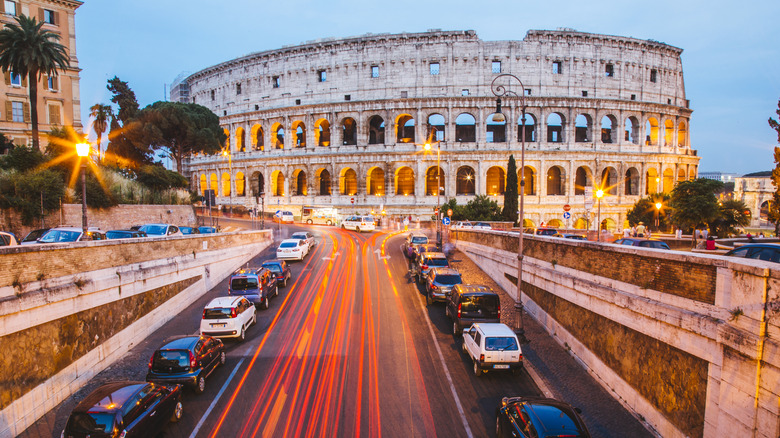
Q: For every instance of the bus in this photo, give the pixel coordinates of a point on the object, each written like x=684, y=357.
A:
x=319, y=215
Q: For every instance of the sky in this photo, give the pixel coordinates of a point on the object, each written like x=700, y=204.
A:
x=731, y=56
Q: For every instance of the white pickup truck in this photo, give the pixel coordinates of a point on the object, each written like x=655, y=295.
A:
x=492, y=346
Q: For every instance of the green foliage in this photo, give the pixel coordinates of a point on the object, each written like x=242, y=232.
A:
x=121, y=151
x=22, y=159
x=733, y=213
x=159, y=178
x=24, y=192
x=774, y=205
x=124, y=97
x=694, y=203
x=645, y=210
x=98, y=195
x=457, y=211
x=482, y=208
x=5, y=144
x=100, y=114
x=511, y=194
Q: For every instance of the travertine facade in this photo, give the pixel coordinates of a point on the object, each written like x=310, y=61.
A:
x=756, y=190
x=332, y=121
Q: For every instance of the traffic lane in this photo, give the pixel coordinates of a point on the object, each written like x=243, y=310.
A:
x=479, y=395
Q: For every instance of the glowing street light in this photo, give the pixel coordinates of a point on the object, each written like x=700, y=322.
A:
x=82, y=150
x=599, y=195
x=658, y=206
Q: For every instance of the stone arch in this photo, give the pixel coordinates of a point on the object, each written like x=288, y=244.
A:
x=203, y=184
x=581, y=224
x=651, y=132
x=277, y=183
x=631, y=132
x=682, y=134
x=240, y=186
x=213, y=184
x=257, y=182
x=348, y=182
x=668, y=180
x=299, y=134
x=404, y=181
x=434, y=177
x=322, y=132
x=404, y=128
x=608, y=224
x=583, y=128
x=530, y=128
x=632, y=182
x=495, y=132
x=528, y=223
x=376, y=181
x=376, y=130
x=225, y=184
x=227, y=138
x=554, y=181
x=668, y=132
x=555, y=128
x=763, y=211
x=529, y=175
x=609, y=129
x=555, y=223
x=240, y=139
x=692, y=173
x=436, y=127
x=609, y=180
x=582, y=179
x=258, y=140
x=495, y=181
x=299, y=183
x=653, y=181
x=681, y=174
x=322, y=179
x=277, y=132
x=348, y=131
x=465, y=181
x=465, y=128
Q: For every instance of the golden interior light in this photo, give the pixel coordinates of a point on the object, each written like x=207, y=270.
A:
x=658, y=205
x=427, y=146
x=82, y=149
x=599, y=193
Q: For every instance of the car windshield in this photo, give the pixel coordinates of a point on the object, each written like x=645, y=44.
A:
x=216, y=313
x=448, y=279
x=419, y=240
x=502, y=343
x=34, y=235
x=288, y=245
x=60, y=236
x=273, y=267
x=170, y=359
x=91, y=422
x=243, y=283
x=154, y=230
x=298, y=236
x=487, y=303
x=437, y=263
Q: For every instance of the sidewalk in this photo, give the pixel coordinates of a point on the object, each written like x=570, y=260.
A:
x=555, y=370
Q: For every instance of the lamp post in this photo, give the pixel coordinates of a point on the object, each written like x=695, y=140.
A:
x=499, y=90
x=226, y=153
x=599, y=195
x=658, y=206
x=438, y=185
x=82, y=150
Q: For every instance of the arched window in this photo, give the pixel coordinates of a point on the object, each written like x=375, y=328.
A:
x=632, y=182
x=348, y=182
x=278, y=134
x=225, y=184
x=434, y=177
x=554, y=182
x=609, y=180
x=609, y=129
x=668, y=180
x=653, y=181
x=651, y=132
x=349, y=131
x=436, y=127
x=529, y=175
x=323, y=181
x=681, y=174
x=299, y=134
x=240, y=140
x=682, y=134
x=692, y=173
x=668, y=133
x=465, y=181
x=763, y=212
x=376, y=130
x=581, y=180
x=404, y=181
x=404, y=129
x=260, y=184
x=465, y=128
x=213, y=184
x=583, y=128
x=322, y=132
x=555, y=128
x=530, y=128
x=277, y=183
x=203, y=184
x=376, y=182
x=496, y=131
x=258, y=139
x=631, y=133
x=496, y=181
x=240, y=189
x=298, y=183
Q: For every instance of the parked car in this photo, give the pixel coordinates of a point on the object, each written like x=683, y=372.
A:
x=33, y=236
x=439, y=284
x=471, y=303
x=545, y=232
x=492, y=346
x=306, y=237
x=124, y=234
x=284, y=217
x=570, y=236
x=412, y=242
x=280, y=270
x=186, y=360
x=462, y=225
x=358, y=223
x=8, y=239
x=189, y=230
x=481, y=226
x=71, y=234
x=157, y=230
x=292, y=249
x=125, y=409
x=528, y=417
x=644, y=243
x=769, y=252
x=424, y=262
x=258, y=285
x=207, y=230
x=228, y=317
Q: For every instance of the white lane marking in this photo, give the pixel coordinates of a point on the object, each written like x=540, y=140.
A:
x=446, y=370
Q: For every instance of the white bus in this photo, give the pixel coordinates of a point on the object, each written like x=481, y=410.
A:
x=319, y=215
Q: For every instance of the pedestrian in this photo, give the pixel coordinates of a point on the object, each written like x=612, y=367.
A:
x=640, y=230
x=710, y=243
x=633, y=231
x=697, y=233
x=704, y=233
x=750, y=237
x=626, y=232
x=679, y=233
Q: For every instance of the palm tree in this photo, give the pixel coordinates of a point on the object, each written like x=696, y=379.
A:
x=100, y=114
x=27, y=50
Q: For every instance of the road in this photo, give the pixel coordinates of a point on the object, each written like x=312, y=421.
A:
x=348, y=348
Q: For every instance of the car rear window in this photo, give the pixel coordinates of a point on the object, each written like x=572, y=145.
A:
x=556, y=421
x=419, y=240
x=288, y=245
x=157, y=230
x=273, y=267
x=243, y=283
x=91, y=422
x=438, y=263
x=216, y=313
x=500, y=343
x=448, y=279
x=60, y=236
x=166, y=359
x=487, y=303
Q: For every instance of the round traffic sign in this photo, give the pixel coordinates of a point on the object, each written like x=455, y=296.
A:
x=278, y=213
x=449, y=212
x=566, y=207
x=352, y=200
x=566, y=215
x=445, y=221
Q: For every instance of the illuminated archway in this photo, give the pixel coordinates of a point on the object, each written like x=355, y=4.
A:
x=348, y=182
x=404, y=181
x=240, y=186
x=465, y=181
x=376, y=182
x=225, y=184
x=322, y=133
x=496, y=181
x=434, y=177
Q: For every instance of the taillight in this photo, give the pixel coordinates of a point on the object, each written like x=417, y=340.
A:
x=233, y=312
x=150, y=362
x=521, y=357
x=192, y=361
x=499, y=310
x=434, y=287
x=459, y=304
x=204, y=313
x=424, y=267
x=481, y=357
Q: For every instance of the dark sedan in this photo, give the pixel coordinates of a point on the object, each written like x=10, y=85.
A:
x=280, y=269
x=538, y=417
x=187, y=360
x=125, y=409
x=644, y=243
x=769, y=252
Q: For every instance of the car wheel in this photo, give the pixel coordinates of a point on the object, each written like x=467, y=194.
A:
x=177, y=412
x=357, y=229
x=254, y=317
x=328, y=223
x=284, y=283
x=455, y=328
x=477, y=371
x=309, y=222
x=222, y=358
x=264, y=304
x=242, y=335
x=463, y=347
x=200, y=385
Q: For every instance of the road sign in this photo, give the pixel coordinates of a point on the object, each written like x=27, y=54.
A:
x=278, y=213
x=445, y=221
x=566, y=207
x=352, y=200
x=449, y=212
x=566, y=215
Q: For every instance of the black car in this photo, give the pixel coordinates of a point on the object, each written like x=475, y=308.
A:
x=125, y=409
x=124, y=234
x=207, y=230
x=470, y=303
x=769, y=252
x=33, y=236
x=280, y=269
x=440, y=282
x=258, y=285
x=186, y=360
x=644, y=243
x=538, y=417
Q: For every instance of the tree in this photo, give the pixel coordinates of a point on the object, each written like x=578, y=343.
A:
x=31, y=192
x=482, y=208
x=100, y=115
x=694, y=203
x=510, y=194
x=733, y=213
x=121, y=152
x=178, y=129
x=22, y=159
x=774, y=205
x=5, y=144
x=124, y=97
x=645, y=211
x=27, y=50
x=158, y=178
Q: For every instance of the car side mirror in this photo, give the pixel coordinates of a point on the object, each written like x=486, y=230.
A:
x=578, y=410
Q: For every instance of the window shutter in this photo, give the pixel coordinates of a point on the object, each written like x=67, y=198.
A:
x=24, y=81
x=40, y=14
x=2, y=7
x=7, y=75
x=55, y=83
x=54, y=115
x=56, y=15
x=9, y=111
x=26, y=107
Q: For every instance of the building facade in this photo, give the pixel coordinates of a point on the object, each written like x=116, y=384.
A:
x=343, y=122
x=58, y=96
x=756, y=190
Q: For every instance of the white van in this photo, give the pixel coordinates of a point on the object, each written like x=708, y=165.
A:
x=359, y=223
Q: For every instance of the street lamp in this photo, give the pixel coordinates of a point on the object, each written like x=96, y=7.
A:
x=500, y=91
x=82, y=150
x=427, y=147
x=658, y=206
x=226, y=153
x=599, y=195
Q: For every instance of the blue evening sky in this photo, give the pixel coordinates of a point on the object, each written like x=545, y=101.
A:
x=730, y=54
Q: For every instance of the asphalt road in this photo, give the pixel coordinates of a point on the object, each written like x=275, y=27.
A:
x=348, y=348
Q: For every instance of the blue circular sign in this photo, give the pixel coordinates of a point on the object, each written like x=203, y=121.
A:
x=445, y=221
x=566, y=215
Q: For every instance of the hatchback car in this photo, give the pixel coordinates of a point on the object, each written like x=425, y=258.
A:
x=439, y=284
x=462, y=225
x=769, y=252
x=644, y=243
x=570, y=236
x=258, y=285
x=292, y=249
x=124, y=234
x=470, y=303
x=71, y=234
x=424, y=262
x=358, y=223
x=412, y=242
x=306, y=237
x=481, y=226
x=8, y=239
x=286, y=216
x=187, y=360
x=207, y=230
x=280, y=269
x=538, y=417
x=228, y=317
x=545, y=231
x=492, y=346
x=125, y=409
x=189, y=230
x=158, y=230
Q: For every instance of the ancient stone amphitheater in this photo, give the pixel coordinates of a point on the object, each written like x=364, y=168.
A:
x=344, y=122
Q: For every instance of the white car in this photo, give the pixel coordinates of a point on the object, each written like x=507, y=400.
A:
x=70, y=234
x=292, y=249
x=286, y=216
x=462, y=225
x=359, y=223
x=305, y=236
x=481, y=226
x=160, y=230
x=228, y=317
x=492, y=346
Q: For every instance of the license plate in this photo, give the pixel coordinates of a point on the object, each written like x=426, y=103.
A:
x=500, y=367
x=218, y=325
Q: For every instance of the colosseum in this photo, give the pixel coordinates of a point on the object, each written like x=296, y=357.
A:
x=344, y=122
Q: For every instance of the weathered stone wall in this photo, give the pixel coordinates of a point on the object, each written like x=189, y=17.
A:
x=694, y=356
